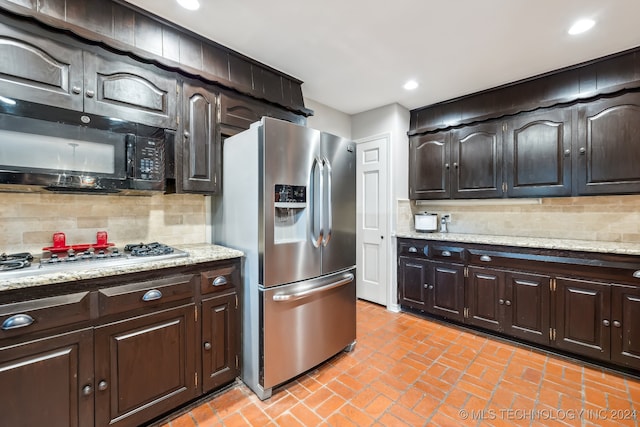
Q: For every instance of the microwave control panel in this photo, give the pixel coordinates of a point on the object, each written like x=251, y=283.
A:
x=149, y=160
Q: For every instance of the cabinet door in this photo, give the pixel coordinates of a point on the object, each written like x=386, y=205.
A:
x=220, y=341
x=145, y=366
x=483, y=296
x=36, y=69
x=476, y=152
x=625, y=319
x=445, y=292
x=412, y=280
x=538, y=154
x=609, y=146
x=201, y=150
x=239, y=112
x=123, y=90
x=429, y=166
x=526, y=306
x=582, y=317
x=48, y=382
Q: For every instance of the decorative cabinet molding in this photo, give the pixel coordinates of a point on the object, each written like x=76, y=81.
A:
x=129, y=29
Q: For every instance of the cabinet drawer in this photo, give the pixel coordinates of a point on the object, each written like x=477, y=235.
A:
x=447, y=253
x=123, y=298
x=219, y=279
x=45, y=313
x=414, y=248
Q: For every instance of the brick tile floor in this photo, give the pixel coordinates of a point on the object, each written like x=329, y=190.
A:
x=408, y=371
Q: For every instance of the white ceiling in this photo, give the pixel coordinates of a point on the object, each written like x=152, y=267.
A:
x=355, y=55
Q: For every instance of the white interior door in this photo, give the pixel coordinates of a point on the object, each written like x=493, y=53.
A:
x=372, y=220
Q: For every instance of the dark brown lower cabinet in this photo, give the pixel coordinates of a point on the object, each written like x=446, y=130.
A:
x=412, y=280
x=145, y=366
x=511, y=302
x=583, y=310
x=48, y=382
x=445, y=290
x=220, y=341
x=625, y=335
x=599, y=320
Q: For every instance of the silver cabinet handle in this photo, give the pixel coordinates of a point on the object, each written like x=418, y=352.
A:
x=207, y=346
x=567, y=153
x=507, y=303
x=413, y=250
x=87, y=390
x=430, y=287
x=219, y=281
x=90, y=93
x=636, y=274
x=501, y=301
x=186, y=134
x=583, y=150
x=17, y=321
x=445, y=253
x=446, y=165
x=455, y=165
x=152, y=295
x=76, y=89
x=617, y=324
x=102, y=385
x=485, y=258
x=605, y=322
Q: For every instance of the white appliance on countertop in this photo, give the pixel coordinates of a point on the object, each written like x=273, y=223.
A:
x=288, y=201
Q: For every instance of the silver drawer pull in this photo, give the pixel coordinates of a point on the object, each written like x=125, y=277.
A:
x=485, y=258
x=152, y=295
x=413, y=250
x=446, y=253
x=219, y=281
x=17, y=321
x=636, y=274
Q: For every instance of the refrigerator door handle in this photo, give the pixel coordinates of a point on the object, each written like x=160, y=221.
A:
x=327, y=204
x=317, y=201
x=348, y=278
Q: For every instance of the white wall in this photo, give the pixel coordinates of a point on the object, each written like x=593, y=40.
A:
x=328, y=119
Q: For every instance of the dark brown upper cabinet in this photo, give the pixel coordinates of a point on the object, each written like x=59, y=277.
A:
x=429, y=166
x=237, y=113
x=199, y=167
x=537, y=153
x=608, y=146
x=39, y=70
x=476, y=152
x=129, y=91
x=46, y=72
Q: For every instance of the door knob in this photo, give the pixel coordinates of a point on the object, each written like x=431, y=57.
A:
x=381, y=237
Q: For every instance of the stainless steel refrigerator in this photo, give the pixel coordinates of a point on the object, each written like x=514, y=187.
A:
x=288, y=201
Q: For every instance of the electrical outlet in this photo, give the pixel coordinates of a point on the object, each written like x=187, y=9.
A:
x=447, y=216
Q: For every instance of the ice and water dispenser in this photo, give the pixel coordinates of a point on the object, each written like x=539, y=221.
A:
x=290, y=224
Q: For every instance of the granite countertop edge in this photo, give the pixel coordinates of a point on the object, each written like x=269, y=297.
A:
x=198, y=253
x=529, y=242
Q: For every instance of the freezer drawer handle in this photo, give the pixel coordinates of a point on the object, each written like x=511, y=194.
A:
x=152, y=295
x=299, y=295
x=219, y=281
x=17, y=321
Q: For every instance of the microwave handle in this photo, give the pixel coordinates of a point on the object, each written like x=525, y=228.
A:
x=131, y=155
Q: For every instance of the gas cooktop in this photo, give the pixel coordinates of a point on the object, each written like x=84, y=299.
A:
x=22, y=264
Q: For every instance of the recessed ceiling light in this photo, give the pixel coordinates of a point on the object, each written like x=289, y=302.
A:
x=581, y=26
x=410, y=85
x=189, y=4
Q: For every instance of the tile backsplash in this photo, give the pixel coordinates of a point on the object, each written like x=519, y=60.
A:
x=28, y=220
x=599, y=218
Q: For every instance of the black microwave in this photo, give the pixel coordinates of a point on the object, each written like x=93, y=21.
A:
x=72, y=152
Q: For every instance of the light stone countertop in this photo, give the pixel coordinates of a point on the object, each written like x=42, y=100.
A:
x=530, y=242
x=198, y=253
